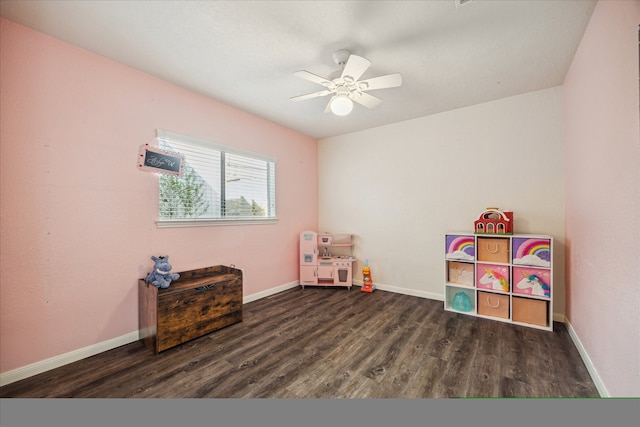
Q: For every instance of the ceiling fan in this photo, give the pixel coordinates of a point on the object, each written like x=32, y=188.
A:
x=345, y=86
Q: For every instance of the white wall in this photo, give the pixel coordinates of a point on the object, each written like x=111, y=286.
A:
x=399, y=188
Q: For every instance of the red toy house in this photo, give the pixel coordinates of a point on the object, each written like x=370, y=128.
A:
x=493, y=221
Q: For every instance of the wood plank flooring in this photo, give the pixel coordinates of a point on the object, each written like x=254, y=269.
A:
x=334, y=343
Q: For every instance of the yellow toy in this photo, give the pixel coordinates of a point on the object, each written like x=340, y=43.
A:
x=367, y=283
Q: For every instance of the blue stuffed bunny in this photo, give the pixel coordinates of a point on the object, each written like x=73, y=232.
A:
x=161, y=277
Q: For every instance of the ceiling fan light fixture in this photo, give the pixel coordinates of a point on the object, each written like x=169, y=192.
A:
x=346, y=86
x=341, y=105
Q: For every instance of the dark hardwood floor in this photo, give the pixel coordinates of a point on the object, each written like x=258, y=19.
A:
x=334, y=343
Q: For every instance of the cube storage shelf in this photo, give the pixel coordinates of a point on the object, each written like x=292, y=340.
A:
x=508, y=278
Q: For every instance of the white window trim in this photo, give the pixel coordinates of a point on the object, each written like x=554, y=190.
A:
x=208, y=222
x=177, y=223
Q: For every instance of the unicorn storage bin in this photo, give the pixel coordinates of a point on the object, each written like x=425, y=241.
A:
x=493, y=277
x=532, y=281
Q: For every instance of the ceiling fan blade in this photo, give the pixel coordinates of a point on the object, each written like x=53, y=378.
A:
x=311, y=95
x=313, y=78
x=328, y=107
x=382, y=82
x=365, y=99
x=355, y=67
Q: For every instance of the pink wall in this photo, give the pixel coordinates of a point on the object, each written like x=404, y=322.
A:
x=78, y=218
x=602, y=195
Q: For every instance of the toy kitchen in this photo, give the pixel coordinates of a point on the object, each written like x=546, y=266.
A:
x=326, y=259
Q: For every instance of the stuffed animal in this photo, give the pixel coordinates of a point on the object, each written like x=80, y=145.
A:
x=161, y=277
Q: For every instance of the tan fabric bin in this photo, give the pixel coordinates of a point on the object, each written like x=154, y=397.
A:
x=461, y=273
x=533, y=311
x=495, y=305
x=493, y=249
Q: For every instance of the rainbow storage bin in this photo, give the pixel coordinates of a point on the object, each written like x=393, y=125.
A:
x=535, y=252
x=460, y=247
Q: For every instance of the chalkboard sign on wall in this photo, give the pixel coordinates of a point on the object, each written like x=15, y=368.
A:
x=152, y=159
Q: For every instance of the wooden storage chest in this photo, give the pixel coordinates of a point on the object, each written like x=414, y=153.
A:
x=199, y=302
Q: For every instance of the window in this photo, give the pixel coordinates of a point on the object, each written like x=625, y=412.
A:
x=220, y=184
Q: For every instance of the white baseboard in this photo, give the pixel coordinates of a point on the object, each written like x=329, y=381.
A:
x=269, y=292
x=64, y=359
x=587, y=361
x=82, y=353
x=404, y=291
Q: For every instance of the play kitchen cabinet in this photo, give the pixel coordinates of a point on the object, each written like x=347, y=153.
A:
x=326, y=259
x=508, y=278
x=198, y=302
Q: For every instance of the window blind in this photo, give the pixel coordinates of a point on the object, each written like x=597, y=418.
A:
x=219, y=182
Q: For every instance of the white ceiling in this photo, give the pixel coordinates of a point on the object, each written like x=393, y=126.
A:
x=244, y=53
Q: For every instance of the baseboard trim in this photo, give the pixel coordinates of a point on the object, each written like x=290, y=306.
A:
x=404, y=291
x=597, y=381
x=64, y=359
x=269, y=292
x=82, y=353
x=75, y=355
x=559, y=317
